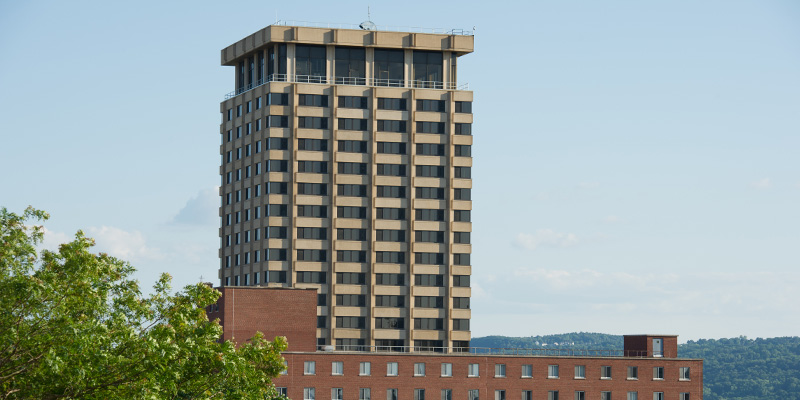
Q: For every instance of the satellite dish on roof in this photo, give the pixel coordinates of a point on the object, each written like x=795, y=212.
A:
x=368, y=25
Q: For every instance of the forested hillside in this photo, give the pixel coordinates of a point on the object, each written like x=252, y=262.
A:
x=735, y=369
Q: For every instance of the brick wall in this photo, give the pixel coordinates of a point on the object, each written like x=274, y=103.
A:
x=513, y=383
x=289, y=312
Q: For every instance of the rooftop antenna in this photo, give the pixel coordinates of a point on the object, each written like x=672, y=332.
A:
x=368, y=25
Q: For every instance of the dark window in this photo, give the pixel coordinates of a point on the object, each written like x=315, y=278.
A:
x=390, y=301
x=461, y=237
x=351, y=234
x=351, y=212
x=429, y=236
x=353, y=146
x=391, y=148
x=390, y=235
x=275, y=232
x=392, y=104
x=391, y=213
x=463, y=150
x=321, y=321
x=392, y=169
x=430, y=105
x=351, y=322
x=312, y=255
x=430, y=149
x=389, y=323
x=277, y=187
x=277, y=99
x=353, y=102
x=311, y=277
x=430, y=171
x=358, y=256
x=277, y=121
x=463, y=129
x=276, y=210
x=461, y=280
x=463, y=172
x=431, y=324
x=312, y=123
x=392, y=257
x=350, y=65
x=395, y=192
x=312, y=144
x=316, y=189
x=351, y=278
x=427, y=214
x=351, y=190
x=464, y=107
x=351, y=300
x=461, y=259
x=462, y=194
x=388, y=125
x=430, y=193
x=275, y=276
x=429, y=258
x=428, y=69
x=461, y=302
x=429, y=301
x=353, y=124
x=389, y=66
x=352, y=168
x=312, y=233
x=430, y=127
x=313, y=167
x=277, y=144
x=460, y=324
x=462, y=215
x=390, y=279
x=322, y=299
x=429, y=279
x=312, y=100
x=310, y=63
x=276, y=255
x=277, y=166
x=312, y=212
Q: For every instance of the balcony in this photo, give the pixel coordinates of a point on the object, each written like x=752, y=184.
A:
x=339, y=80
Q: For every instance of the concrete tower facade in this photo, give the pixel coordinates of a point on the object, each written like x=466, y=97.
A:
x=346, y=167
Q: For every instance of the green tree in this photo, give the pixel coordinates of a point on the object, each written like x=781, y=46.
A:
x=74, y=325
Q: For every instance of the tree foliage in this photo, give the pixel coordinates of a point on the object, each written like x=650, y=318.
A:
x=733, y=369
x=75, y=325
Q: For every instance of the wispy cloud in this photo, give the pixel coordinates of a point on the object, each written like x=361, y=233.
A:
x=612, y=219
x=546, y=238
x=202, y=209
x=763, y=183
x=123, y=244
x=589, y=185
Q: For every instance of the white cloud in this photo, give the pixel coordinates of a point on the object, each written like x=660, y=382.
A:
x=53, y=239
x=547, y=238
x=122, y=244
x=202, y=209
x=612, y=219
x=763, y=183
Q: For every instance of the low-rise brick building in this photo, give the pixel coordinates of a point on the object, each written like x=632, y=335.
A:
x=646, y=368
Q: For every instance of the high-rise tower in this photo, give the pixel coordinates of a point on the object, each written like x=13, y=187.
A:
x=346, y=164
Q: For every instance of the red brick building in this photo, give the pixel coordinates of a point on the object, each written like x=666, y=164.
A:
x=646, y=368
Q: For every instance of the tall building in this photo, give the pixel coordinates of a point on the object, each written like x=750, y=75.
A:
x=346, y=167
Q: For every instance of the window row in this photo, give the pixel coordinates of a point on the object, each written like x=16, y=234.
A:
x=357, y=102
x=309, y=393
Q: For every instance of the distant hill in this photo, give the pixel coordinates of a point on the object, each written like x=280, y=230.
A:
x=734, y=369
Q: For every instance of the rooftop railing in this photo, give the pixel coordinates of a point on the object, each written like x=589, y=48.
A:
x=487, y=351
x=412, y=29
x=340, y=80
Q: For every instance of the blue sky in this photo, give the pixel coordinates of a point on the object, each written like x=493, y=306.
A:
x=636, y=164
